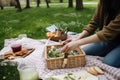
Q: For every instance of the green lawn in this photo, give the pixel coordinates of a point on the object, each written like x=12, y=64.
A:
x=34, y=21
x=9, y=73
x=74, y=0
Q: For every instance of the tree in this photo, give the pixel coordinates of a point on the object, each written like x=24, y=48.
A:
x=27, y=4
x=18, y=6
x=1, y=5
x=79, y=4
x=61, y=1
x=12, y=2
x=70, y=3
x=47, y=2
x=38, y=2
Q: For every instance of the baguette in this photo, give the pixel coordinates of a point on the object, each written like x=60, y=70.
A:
x=92, y=71
x=98, y=70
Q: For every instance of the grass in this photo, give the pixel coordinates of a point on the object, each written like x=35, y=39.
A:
x=74, y=0
x=34, y=21
x=9, y=73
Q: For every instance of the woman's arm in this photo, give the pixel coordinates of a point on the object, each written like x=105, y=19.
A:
x=74, y=44
x=91, y=39
x=111, y=31
x=83, y=34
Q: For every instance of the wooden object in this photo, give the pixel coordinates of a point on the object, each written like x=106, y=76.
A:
x=72, y=61
x=58, y=38
x=20, y=54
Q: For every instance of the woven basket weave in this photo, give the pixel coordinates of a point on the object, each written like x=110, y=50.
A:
x=73, y=61
x=62, y=38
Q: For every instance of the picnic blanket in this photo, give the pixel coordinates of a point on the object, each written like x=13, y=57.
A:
x=36, y=58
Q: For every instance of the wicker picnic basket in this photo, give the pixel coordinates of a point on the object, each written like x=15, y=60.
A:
x=58, y=38
x=72, y=61
x=62, y=38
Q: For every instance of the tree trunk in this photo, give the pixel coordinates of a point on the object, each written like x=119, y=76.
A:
x=61, y=1
x=1, y=5
x=27, y=4
x=12, y=3
x=79, y=4
x=70, y=3
x=47, y=2
x=18, y=6
x=38, y=2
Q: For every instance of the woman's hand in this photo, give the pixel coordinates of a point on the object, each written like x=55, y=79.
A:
x=70, y=46
x=67, y=41
x=81, y=35
x=76, y=43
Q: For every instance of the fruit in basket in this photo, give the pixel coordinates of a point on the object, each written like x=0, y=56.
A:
x=50, y=34
x=58, y=32
x=56, y=52
x=58, y=35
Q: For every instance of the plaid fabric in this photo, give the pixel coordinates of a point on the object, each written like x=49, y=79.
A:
x=36, y=60
x=111, y=73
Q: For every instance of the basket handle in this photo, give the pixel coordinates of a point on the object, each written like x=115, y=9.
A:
x=65, y=60
x=79, y=50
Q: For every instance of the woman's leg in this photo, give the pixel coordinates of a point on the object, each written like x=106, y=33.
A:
x=113, y=57
x=96, y=49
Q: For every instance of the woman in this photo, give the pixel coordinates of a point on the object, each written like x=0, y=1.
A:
x=106, y=41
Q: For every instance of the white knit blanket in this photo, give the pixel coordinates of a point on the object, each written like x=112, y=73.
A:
x=37, y=60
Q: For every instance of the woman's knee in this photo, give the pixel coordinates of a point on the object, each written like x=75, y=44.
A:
x=113, y=57
x=95, y=48
x=112, y=63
